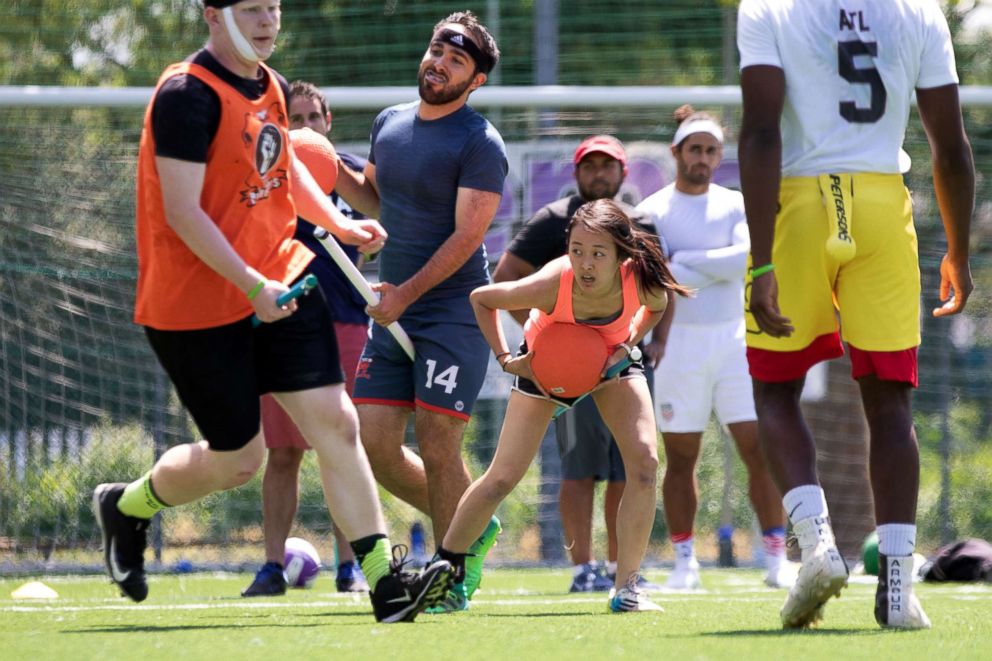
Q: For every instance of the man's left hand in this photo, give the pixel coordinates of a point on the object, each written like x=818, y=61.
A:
x=367, y=234
x=955, y=286
x=654, y=351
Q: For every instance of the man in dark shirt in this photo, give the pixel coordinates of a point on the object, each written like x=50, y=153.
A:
x=434, y=179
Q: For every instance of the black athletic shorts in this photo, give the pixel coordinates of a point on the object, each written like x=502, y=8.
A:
x=220, y=373
x=528, y=387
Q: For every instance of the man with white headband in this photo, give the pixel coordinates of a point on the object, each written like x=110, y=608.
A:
x=218, y=193
x=701, y=363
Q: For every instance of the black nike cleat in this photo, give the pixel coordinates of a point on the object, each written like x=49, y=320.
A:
x=124, y=541
x=402, y=595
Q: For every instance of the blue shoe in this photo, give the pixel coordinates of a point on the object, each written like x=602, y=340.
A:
x=270, y=581
x=603, y=581
x=477, y=556
x=585, y=580
x=350, y=578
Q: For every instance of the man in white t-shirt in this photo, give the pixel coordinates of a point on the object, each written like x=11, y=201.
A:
x=827, y=87
x=701, y=364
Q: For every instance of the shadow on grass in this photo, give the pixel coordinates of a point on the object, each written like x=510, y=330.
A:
x=530, y=614
x=148, y=628
x=791, y=632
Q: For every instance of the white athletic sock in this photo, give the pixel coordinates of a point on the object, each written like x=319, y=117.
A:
x=896, y=539
x=579, y=569
x=685, y=552
x=774, y=544
x=804, y=502
x=611, y=568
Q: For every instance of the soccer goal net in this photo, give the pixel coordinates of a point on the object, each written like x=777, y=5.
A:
x=82, y=399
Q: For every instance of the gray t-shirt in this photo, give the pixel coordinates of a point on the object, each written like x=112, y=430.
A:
x=419, y=167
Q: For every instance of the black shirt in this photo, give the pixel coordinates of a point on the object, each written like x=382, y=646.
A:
x=543, y=237
x=186, y=111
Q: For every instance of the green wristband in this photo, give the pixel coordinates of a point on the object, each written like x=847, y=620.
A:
x=254, y=290
x=761, y=270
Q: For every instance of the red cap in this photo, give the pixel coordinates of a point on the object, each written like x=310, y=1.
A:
x=603, y=144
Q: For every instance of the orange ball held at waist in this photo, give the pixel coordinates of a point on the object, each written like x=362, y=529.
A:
x=568, y=359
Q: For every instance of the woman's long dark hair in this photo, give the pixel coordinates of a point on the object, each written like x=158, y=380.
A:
x=650, y=267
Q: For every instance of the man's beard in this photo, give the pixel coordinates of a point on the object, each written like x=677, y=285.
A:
x=598, y=192
x=446, y=94
x=699, y=178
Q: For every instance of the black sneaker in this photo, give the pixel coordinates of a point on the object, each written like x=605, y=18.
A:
x=401, y=595
x=270, y=581
x=124, y=541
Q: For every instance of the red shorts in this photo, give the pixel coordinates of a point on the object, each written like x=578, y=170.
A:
x=280, y=430
x=351, y=341
x=886, y=365
x=779, y=366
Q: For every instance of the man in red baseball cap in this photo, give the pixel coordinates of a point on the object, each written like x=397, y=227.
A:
x=588, y=451
x=606, y=145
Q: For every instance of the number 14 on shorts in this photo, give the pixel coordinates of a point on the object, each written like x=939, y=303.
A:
x=447, y=378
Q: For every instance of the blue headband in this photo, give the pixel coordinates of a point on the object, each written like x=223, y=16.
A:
x=462, y=42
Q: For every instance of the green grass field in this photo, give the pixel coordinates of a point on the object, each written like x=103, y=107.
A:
x=522, y=614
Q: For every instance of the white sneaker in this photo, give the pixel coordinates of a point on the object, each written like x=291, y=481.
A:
x=822, y=575
x=895, y=604
x=685, y=577
x=782, y=576
x=629, y=599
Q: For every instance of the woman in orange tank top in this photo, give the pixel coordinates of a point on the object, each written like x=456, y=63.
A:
x=615, y=277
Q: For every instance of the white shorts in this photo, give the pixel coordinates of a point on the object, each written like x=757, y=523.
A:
x=704, y=370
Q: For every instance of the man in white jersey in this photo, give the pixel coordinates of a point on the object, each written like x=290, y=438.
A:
x=704, y=228
x=840, y=75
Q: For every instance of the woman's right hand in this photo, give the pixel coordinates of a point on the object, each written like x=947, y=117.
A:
x=521, y=366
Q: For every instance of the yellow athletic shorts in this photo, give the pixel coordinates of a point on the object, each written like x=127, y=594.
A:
x=876, y=292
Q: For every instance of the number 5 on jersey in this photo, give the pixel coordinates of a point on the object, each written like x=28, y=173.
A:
x=448, y=378
x=849, y=71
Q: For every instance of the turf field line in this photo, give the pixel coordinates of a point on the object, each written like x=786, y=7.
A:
x=774, y=597
x=252, y=605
